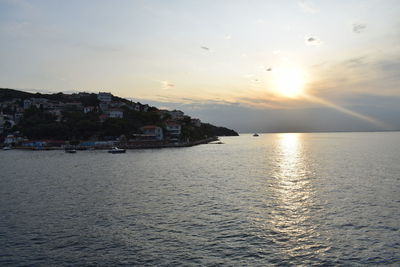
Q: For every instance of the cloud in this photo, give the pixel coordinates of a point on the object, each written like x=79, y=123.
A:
x=167, y=85
x=312, y=40
x=307, y=7
x=355, y=62
x=250, y=75
x=359, y=27
x=260, y=21
x=374, y=73
x=260, y=114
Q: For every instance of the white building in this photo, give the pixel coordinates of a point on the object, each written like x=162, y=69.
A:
x=104, y=97
x=145, y=108
x=173, y=128
x=27, y=103
x=5, y=122
x=88, y=109
x=115, y=113
x=153, y=131
x=10, y=139
x=136, y=107
x=176, y=114
x=103, y=106
x=196, y=122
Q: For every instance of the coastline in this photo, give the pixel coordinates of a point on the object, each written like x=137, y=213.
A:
x=136, y=146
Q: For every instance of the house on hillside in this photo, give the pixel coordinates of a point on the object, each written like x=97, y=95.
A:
x=27, y=103
x=196, y=122
x=145, y=108
x=104, y=97
x=103, y=117
x=103, y=106
x=6, y=122
x=176, y=114
x=57, y=113
x=88, y=109
x=136, y=106
x=76, y=106
x=153, y=131
x=115, y=113
x=173, y=130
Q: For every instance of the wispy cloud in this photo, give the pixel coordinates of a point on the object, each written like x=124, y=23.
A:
x=228, y=37
x=371, y=73
x=307, y=7
x=248, y=76
x=359, y=27
x=312, y=40
x=166, y=85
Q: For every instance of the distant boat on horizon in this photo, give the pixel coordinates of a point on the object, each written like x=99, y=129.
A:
x=255, y=134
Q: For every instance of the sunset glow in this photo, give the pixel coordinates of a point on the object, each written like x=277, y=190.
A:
x=289, y=82
x=271, y=65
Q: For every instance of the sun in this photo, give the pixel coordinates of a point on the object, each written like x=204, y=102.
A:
x=289, y=82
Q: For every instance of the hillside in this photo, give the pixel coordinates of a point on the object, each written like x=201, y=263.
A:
x=89, y=116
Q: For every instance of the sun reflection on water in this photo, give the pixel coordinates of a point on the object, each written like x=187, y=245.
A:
x=293, y=197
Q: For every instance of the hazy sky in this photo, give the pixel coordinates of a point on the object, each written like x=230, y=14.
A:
x=224, y=61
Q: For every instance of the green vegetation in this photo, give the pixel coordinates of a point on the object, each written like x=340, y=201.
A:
x=61, y=117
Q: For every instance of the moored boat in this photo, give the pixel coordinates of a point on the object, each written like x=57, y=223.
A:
x=255, y=135
x=115, y=150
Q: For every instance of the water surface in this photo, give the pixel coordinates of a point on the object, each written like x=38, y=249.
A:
x=278, y=199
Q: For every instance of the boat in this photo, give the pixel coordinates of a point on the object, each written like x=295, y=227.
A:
x=255, y=135
x=70, y=151
x=216, y=143
x=115, y=150
x=7, y=148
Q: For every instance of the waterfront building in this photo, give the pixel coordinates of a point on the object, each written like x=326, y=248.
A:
x=153, y=131
x=173, y=128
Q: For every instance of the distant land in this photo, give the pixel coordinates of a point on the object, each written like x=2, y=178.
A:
x=90, y=119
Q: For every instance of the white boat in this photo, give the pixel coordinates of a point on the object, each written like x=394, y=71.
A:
x=7, y=148
x=116, y=150
x=70, y=151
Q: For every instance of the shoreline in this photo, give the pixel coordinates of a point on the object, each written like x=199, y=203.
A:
x=137, y=146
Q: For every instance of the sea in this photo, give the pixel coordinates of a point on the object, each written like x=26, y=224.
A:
x=290, y=199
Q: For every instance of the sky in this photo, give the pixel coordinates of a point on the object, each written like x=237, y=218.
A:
x=254, y=66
